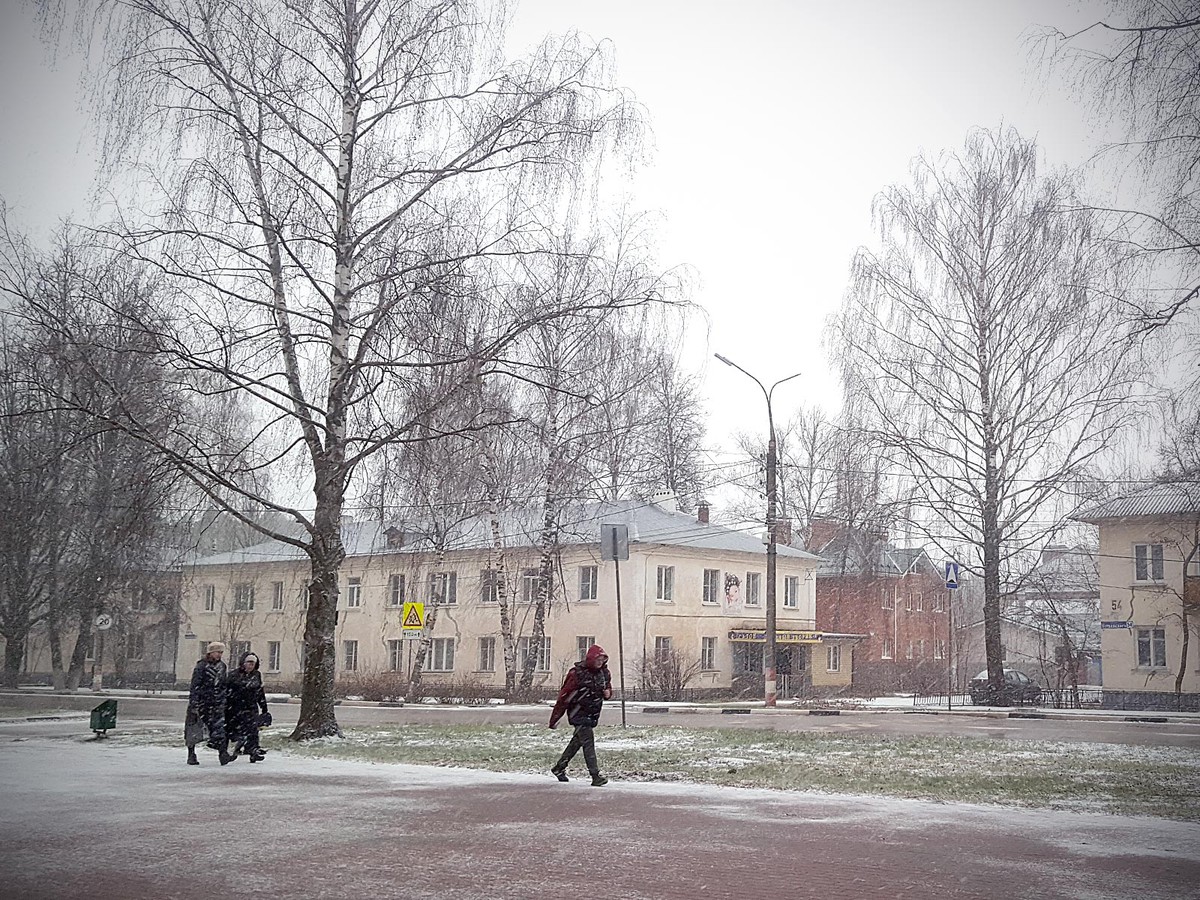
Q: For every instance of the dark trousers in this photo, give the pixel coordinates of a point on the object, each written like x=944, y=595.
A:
x=243, y=731
x=583, y=737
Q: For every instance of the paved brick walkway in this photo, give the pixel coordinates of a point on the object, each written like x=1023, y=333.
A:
x=101, y=820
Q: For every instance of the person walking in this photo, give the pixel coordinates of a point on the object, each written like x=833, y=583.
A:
x=586, y=687
x=246, y=707
x=206, y=705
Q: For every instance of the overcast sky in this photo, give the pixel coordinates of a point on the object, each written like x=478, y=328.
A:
x=775, y=124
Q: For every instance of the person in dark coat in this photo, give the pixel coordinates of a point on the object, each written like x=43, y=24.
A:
x=206, y=705
x=583, y=693
x=245, y=707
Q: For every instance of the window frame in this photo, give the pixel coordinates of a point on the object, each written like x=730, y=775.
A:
x=1155, y=640
x=489, y=586
x=243, y=596
x=791, y=591
x=350, y=655
x=833, y=658
x=543, y=661
x=1154, y=569
x=754, y=592
x=665, y=585
x=274, y=655
x=276, y=596
x=354, y=592
x=441, y=654
x=662, y=647
x=583, y=643
x=396, y=590
x=589, y=584
x=448, y=579
x=710, y=589
x=530, y=582
x=210, y=598
x=395, y=648
x=708, y=654
x=487, y=654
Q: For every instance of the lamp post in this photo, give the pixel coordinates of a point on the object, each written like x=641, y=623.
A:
x=769, y=646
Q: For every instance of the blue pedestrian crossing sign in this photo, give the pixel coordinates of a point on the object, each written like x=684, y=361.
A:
x=951, y=575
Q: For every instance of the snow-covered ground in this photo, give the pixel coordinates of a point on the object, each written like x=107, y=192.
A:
x=103, y=819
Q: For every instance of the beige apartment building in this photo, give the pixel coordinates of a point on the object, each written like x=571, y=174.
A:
x=690, y=590
x=1149, y=593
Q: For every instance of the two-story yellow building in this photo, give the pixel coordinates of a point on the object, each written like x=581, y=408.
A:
x=691, y=591
x=1149, y=565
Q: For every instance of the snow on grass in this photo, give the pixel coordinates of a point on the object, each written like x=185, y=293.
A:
x=1156, y=781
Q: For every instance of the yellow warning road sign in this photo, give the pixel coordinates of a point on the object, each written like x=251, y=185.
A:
x=414, y=616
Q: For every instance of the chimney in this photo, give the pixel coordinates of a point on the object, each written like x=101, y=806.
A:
x=702, y=512
x=395, y=537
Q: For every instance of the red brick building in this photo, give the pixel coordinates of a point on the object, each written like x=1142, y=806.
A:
x=896, y=596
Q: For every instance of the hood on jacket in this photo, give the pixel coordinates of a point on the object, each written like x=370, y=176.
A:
x=245, y=656
x=596, y=657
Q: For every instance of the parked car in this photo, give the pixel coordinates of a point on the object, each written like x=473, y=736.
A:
x=1018, y=688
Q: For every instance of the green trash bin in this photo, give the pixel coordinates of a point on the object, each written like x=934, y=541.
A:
x=104, y=717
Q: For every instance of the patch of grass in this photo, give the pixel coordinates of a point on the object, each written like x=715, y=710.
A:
x=25, y=712
x=1153, y=781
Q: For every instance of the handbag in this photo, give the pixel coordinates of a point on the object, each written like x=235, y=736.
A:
x=264, y=721
x=194, y=733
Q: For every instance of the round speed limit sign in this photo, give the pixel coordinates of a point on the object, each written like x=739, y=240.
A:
x=104, y=621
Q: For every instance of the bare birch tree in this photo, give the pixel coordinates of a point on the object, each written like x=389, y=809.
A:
x=324, y=177
x=984, y=339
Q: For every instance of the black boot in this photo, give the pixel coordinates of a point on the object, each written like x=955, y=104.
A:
x=257, y=755
x=192, y=761
x=599, y=780
x=559, y=773
x=226, y=756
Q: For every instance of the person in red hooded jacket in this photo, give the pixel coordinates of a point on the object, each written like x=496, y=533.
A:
x=583, y=693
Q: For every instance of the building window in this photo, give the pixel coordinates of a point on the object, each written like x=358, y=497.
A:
x=921, y=648
x=274, y=655
x=236, y=649
x=747, y=659
x=833, y=658
x=489, y=586
x=542, y=664
x=243, y=596
x=712, y=587
x=530, y=579
x=443, y=588
x=939, y=602
x=908, y=602
x=583, y=643
x=277, y=596
x=441, y=657
x=888, y=649
x=395, y=656
x=487, y=654
x=708, y=653
x=753, y=588
x=353, y=593
x=662, y=649
x=395, y=594
x=939, y=649
x=1152, y=648
x=210, y=598
x=666, y=584
x=908, y=652
x=920, y=603
x=350, y=656
x=135, y=645
x=589, y=577
x=1148, y=562
x=791, y=592
x=886, y=598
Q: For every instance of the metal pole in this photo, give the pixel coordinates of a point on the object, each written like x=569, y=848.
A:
x=98, y=677
x=620, y=635
x=769, y=648
x=949, y=649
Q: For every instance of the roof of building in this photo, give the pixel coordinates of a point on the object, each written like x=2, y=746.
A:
x=867, y=554
x=1159, y=501
x=648, y=523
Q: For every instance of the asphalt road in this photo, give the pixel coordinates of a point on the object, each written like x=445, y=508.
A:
x=103, y=820
x=1176, y=732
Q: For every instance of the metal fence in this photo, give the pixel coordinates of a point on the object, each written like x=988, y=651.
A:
x=1084, y=698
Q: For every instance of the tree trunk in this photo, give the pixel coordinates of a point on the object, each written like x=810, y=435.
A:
x=549, y=544
x=317, y=717
x=14, y=655
x=507, y=641
x=437, y=598
x=54, y=637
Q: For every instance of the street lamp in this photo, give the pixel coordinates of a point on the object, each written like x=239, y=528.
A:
x=769, y=647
